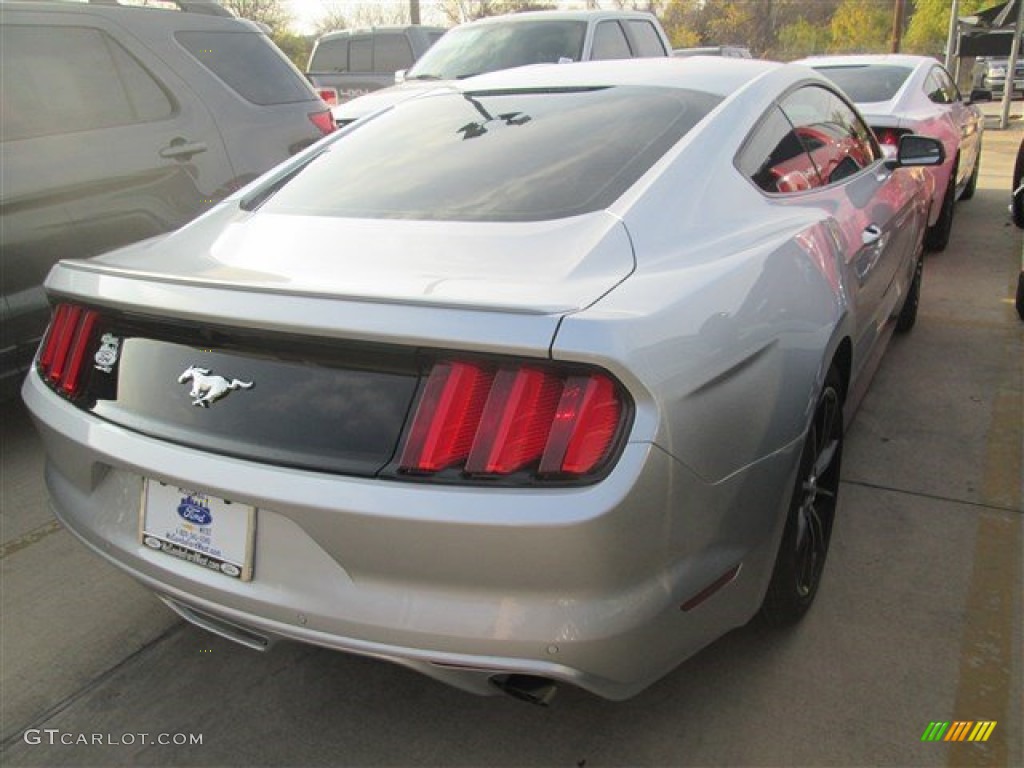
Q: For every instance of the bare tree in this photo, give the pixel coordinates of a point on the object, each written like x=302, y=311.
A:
x=273, y=13
x=460, y=11
x=333, y=20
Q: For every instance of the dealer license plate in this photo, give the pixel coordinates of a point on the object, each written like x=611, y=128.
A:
x=198, y=528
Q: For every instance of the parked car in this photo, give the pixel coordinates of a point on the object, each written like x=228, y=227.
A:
x=496, y=404
x=350, y=63
x=993, y=76
x=901, y=94
x=121, y=123
x=502, y=42
x=734, y=51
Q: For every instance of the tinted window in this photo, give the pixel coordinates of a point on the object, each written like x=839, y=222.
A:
x=776, y=159
x=610, y=42
x=330, y=56
x=939, y=87
x=495, y=156
x=249, y=64
x=838, y=141
x=646, y=38
x=66, y=79
x=865, y=84
x=360, y=55
x=474, y=49
x=391, y=53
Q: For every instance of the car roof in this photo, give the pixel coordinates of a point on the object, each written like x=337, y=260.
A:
x=869, y=59
x=190, y=14
x=396, y=28
x=716, y=75
x=583, y=15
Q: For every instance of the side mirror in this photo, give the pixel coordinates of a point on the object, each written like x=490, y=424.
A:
x=917, y=151
x=400, y=76
x=979, y=94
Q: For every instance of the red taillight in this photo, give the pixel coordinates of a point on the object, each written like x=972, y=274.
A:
x=488, y=420
x=66, y=346
x=323, y=120
x=889, y=137
x=329, y=95
x=587, y=418
x=516, y=421
x=447, y=417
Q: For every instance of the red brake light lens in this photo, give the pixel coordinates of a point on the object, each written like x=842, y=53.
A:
x=516, y=421
x=329, y=95
x=323, y=120
x=495, y=421
x=446, y=419
x=67, y=343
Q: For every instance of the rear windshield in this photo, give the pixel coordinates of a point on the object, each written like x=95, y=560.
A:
x=475, y=49
x=250, y=65
x=496, y=156
x=865, y=84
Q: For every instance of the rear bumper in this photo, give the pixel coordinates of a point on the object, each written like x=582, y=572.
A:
x=579, y=585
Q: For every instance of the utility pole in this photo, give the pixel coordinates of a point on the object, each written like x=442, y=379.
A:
x=897, y=26
x=952, y=44
x=414, y=11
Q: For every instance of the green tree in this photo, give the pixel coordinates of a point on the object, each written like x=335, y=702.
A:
x=862, y=26
x=802, y=38
x=929, y=24
x=295, y=47
x=735, y=23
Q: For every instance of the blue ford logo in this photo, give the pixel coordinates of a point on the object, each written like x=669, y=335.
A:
x=194, y=511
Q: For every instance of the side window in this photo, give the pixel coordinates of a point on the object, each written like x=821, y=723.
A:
x=947, y=85
x=934, y=89
x=67, y=79
x=610, y=42
x=330, y=56
x=360, y=55
x=838, y=141
x=646, y=37
x=249, y=64
x=391, y=53
x=775, y=158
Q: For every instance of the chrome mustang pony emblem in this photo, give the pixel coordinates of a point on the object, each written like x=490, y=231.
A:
x=206, y=388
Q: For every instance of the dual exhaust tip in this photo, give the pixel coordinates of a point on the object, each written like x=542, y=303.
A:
x=528, y=688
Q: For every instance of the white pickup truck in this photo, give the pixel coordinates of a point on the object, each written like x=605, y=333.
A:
x=503, y=42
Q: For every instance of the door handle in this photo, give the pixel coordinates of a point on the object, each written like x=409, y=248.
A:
x=180, y=149
x=871, y=234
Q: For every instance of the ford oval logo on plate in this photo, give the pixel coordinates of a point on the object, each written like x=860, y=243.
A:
x=193, y=510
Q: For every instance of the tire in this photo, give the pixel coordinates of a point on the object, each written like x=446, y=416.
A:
x=1020, y=295
x=908, y=312
x=800, y=561
x=972, y=183
x=937, y=236
x=1017, y=200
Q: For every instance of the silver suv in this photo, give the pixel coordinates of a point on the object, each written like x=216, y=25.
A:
x=121, y=123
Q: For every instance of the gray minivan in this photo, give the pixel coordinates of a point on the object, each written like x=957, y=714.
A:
x=119, y=123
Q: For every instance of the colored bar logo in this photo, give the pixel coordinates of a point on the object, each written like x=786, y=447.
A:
x=959, y=730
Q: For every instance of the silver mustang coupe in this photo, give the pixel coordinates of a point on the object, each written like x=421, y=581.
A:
x=539, y=378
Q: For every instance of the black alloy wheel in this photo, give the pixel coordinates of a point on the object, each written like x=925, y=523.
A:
x=1017, y=198
x=908, y=313
x=804, y=547
x=937, y=236
x=972, y=183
